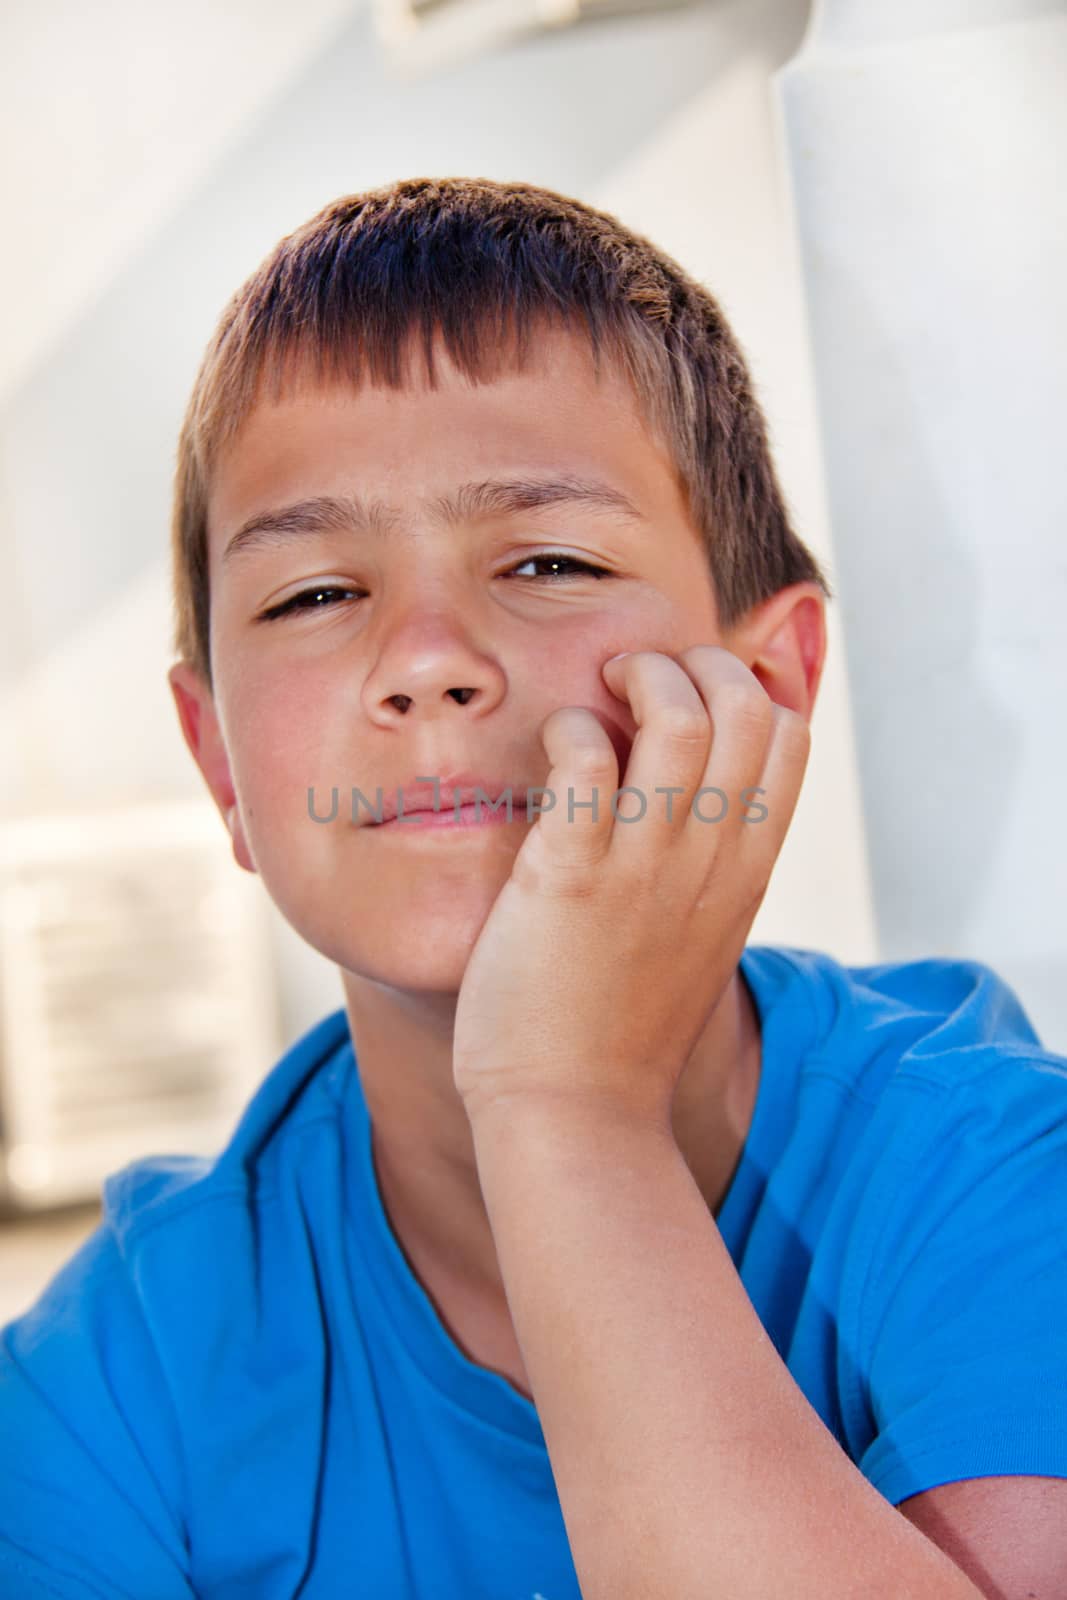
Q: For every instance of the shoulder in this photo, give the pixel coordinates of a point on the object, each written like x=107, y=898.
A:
x=151, y=1341
x=924, y=1172
x=303, y=1089
x=182, y=1238
x=939, y=1022
x=173, y=1226
x=949, y=1042
x=963, y=1286
x=896, y=1094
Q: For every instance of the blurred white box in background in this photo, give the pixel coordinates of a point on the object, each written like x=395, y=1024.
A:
x=138, y=995
x=421, y=37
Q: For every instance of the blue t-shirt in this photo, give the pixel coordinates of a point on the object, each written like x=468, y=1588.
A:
x=238, y=1389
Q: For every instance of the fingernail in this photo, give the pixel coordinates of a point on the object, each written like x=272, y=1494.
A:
x=619, y=657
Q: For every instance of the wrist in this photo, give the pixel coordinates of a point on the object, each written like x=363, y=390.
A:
x=544, y=1112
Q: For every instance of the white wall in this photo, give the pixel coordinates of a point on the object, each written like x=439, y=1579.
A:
x=926, y=143
x=667, y=120
x=111, y=114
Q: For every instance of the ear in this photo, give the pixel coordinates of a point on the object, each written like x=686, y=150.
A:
x=783, y=643
x=200, y=726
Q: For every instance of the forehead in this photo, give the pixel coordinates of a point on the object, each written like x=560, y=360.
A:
x=408, y=448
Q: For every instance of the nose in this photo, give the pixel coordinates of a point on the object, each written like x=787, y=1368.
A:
x=431, y=667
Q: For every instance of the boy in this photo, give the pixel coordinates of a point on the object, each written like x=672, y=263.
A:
x=584, y=1251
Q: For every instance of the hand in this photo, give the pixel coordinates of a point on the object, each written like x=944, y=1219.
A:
x=612, y=941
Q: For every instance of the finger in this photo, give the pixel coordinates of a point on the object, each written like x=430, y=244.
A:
x=669, y=752
x=742, y=720
x=771, y=804
x=583, y=776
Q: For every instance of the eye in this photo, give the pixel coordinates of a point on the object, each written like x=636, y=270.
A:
x=306, y=599
x=556, y=558
x=303, y=602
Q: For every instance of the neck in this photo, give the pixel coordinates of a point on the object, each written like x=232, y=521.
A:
x=422, y=1142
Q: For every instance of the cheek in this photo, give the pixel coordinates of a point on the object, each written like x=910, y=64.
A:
x=281, y=743
x=574, y=678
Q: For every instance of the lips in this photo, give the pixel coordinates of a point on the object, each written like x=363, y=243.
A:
x=463, y=789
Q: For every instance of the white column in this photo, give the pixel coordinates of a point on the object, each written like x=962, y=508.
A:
x=925, y=144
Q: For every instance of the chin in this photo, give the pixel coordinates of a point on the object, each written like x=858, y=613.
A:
x=407, y=971
x=419, y=944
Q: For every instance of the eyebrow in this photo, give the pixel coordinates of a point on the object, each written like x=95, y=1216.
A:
x=489, y=497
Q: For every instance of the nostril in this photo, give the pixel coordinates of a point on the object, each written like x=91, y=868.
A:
x=465, y=693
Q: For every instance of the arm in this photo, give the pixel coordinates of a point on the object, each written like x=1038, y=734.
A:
x=687, y=1461
x=1008, y=1532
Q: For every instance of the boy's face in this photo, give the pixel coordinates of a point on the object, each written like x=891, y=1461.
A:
x=356, y=693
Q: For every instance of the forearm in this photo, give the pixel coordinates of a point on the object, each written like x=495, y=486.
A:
x=688, y=1462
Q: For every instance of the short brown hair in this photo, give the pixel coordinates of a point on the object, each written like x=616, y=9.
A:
x=482, y=264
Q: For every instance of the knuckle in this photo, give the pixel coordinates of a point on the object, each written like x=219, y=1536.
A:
x=591, y=760
x=745, y=703
x=684, y=723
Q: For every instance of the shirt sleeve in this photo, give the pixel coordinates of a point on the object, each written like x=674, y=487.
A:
x=966, y=1295
x=89, y=1451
